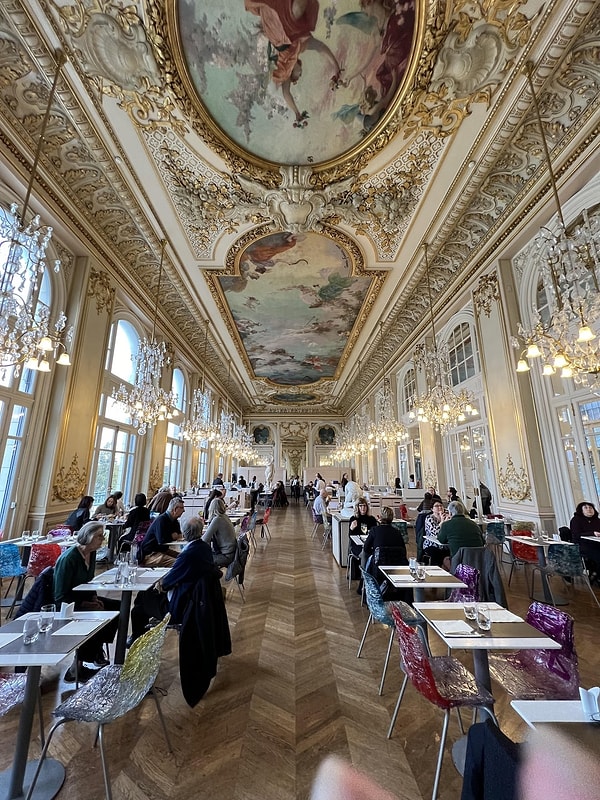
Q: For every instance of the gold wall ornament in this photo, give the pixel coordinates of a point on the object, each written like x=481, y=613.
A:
x=156, y=480
x=70, y=485
x=114, y=52
x=514, y=484
x=430, y=478
x=99, y=288
x=294, y=429
x=486, y=294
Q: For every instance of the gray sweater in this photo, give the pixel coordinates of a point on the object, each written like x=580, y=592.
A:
x=220, y=534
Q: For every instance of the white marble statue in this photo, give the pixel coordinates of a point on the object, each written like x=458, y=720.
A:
x=269, y=470
x=351, y=495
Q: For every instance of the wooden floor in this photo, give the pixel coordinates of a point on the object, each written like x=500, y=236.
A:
x=292, y=692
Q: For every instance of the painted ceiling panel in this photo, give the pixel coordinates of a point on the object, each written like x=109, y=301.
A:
x=282, y=302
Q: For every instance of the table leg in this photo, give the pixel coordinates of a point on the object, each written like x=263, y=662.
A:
x=546, y=597
x=14, y=782
x=123, y=628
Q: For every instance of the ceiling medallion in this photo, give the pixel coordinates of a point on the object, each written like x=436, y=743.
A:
x=296, y=83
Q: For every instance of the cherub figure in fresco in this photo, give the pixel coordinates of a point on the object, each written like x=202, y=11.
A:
x=289, y=25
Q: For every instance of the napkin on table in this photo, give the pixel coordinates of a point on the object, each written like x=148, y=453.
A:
x=503, y=615
x=66, y=611
x=455, y=627
x=79, y=627
x=589, y=700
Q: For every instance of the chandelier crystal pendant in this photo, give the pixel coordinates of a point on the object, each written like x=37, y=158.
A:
x=28, y=334
x=146, y=403
x=564, y=335
x=440, y=406
x=386, y=431
x=199, y=427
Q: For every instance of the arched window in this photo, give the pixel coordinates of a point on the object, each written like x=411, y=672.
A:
x=461, y=354
x=174, y=447
x=122, y=351
x=409, y=391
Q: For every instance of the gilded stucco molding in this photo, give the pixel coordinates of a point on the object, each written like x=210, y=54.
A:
x=69, y=485
x=100, y=289
x=294, y=429
x=155, y=482
x=429, y=477
x=514, y=483
x=486, y=294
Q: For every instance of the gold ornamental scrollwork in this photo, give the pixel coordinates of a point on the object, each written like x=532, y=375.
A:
x=430, y=477
x=155, y=480
x=514, y=484
x=486, y=294
x=69, y=485
x=100, y=289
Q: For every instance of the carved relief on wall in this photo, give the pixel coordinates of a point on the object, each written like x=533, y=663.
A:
x=293, y=429
x=99, y=288
x=486, y=294
x=69, y=485
x=156, y=481
x=514, y=483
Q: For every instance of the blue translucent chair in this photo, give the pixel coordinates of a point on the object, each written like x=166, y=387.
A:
x=564, y=561
x=495, y=537
x=10, y=564
x=380, y=611
x=111, y=693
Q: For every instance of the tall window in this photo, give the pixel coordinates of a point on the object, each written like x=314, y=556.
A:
x=174, y=448
x=461, y=353
x=409, y=391
x=116, y=438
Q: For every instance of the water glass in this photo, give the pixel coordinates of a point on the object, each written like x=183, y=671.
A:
x=484, y=621
x=26, y=536
x=470, y=608
x=421, y=572
x=31, y=630
x=46, y=618
x=35, y=535
x=412, y=566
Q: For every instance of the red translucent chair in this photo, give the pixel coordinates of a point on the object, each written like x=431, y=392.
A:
x=442, y=680
x=264, y=526
x=469, y=576
x=541, y=674
x=522, y=554
x=380, y=611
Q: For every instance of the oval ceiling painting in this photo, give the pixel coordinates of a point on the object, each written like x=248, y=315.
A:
x=294, y=302
x=296, y=81
x=292, y=397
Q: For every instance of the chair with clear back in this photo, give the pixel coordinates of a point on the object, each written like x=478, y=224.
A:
x=112, y=693
x=564, y=561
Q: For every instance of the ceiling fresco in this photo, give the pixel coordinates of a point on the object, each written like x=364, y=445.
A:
x=296, y=82
x=281, y=300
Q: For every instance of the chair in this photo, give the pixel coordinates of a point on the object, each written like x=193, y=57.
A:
x=318, y=520
x=352, y=559
x=491, y=585
x=41, y=556
x=495, y=537
x=248, y=526
x=541, y=674
x=111, y=693
x=12, y=691
x=326, y=533
x=401, y=526
x=442, y=680
x=564, y=561
x=522, y=554
x=263, y=522
x=10, y=564
x=469, y=576
x=237, y=568
x=389, y=555
x=379, y=611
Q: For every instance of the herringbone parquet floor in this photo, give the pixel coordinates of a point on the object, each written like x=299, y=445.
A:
x=291, y=692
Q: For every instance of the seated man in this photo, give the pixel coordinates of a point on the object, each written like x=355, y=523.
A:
x=155, y=548
x=459, y=531
x=320, y=507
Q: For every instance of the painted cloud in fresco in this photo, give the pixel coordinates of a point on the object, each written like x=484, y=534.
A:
x=294, y=305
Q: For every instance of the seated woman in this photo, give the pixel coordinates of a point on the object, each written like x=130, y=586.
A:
x=279, y=496
x=75, y=566
x=106, y=509
x=139, y=513
x=432, y=547
x=362, y=520
x=160, y=501
x=384, y=535
x=81, y=514
x=586, y=522
x=220, y=534
x=215, y=494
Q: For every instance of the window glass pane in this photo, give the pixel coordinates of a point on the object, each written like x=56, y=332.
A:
x=409, y=391
x=125, y=347
x=10, y=458
x=461, y=354
x=116, y=411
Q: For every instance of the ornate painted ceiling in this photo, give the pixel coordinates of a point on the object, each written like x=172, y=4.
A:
x=296, y=156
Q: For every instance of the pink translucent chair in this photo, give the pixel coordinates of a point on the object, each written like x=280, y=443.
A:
x=442, y=680
x=541, y=674
x=469, y=576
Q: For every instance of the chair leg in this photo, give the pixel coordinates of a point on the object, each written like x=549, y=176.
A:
x=107, y=788
x=41, y=716
x=43, y=755
x=397, y=708
x=460, y=722
x=438, y=768
x=162, y=719
x=387, y=659
x=589, y=586
x=240, y=589
x=364, y=636
x=19, y=591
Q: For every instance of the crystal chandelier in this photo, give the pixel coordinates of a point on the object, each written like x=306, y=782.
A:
x=146, y=403
x=234, y=440
x=386, y=431
x=440, y=406
x=565, y=336
x=28, y=336
x=199, y=427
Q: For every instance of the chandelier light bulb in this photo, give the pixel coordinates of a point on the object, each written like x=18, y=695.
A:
x=523, y=366
x=566, y=372
x=560, y=361
x=533, y=351
x=44, y=366
x=31, y=363
x=64, y=360
x=586, y=334
x=548, y=370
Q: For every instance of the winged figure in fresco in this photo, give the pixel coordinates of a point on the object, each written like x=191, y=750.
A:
x=289, y=26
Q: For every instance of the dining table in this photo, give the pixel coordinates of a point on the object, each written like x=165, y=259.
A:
x=565, y=716
x=49, y=649
x=435, y=578
x=105, y=584
x=541, y=545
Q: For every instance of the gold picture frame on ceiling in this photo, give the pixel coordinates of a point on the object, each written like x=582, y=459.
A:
x=261, y=125
x=311, y=349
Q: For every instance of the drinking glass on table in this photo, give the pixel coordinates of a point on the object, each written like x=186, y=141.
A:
x=484, y=621
x=35, y=535
x=31, y=630
x=46, y=618
x=470, y=607
x=412, y=566
x=26, y=536
x=421, y=572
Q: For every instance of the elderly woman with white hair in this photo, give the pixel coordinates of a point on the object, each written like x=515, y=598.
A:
x=75, y=566
x=220, y=534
